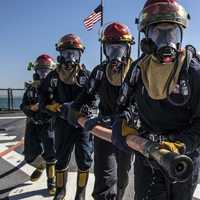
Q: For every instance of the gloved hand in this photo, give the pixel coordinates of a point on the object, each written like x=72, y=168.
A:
x=34, y=107
x=176, y=147
x=120, y=130
x=131, y=116
x=73, y=115
x=54, y=107
x=92, y=122
x=64, y=110
x=150, y=147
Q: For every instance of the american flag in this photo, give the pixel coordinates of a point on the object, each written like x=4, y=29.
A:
x=94, y=17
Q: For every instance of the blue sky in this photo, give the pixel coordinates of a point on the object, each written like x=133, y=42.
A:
x=29, y=28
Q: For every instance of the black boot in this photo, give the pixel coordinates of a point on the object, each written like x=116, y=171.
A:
x=61, y=179
x=82, y=179
x=51, y=177
x=37, y=173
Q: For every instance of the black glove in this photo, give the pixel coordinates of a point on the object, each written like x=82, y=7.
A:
x=72, y=115
x=91, y=123
x=64, y=110
x=131, y=116
x=117, y=139
x=150, y=147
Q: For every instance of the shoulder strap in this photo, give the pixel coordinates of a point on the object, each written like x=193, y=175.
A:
x=54, y=80
x=126, y=92
x=184, y=83
x=190, y=53
x=135, y=73
x=95, y=80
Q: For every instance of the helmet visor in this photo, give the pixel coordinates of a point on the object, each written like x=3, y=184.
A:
x=71, y=55
x=42, y=72
x=165, y=34
x=116, y=51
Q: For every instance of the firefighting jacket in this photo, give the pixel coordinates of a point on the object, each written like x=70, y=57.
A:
x=54, y=90
x=180, y=123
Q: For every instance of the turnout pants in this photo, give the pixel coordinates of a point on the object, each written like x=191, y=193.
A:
x=66, y=137
x=111, y=169
x=39, y=141
x=151, y=183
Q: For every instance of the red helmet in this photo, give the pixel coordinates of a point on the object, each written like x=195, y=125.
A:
x=44, y=61
x=158, y=11
x=149, y=2
x=69, y=41
x=117, y=32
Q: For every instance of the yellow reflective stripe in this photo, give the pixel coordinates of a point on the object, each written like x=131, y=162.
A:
x=51, y=171
x=82, y=178
x=60, y=179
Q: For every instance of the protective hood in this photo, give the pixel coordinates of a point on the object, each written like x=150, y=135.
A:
x=68, y=76
x=116, y=78
x=156, y=76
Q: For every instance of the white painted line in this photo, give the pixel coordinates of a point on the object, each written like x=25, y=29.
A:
x=14, y=117
x=71, y=186
x=197, y=192
x=15, y=159
x=3, y=134
x=37, y=189
x=8, y=144
x=5, y=137
x=3, y=147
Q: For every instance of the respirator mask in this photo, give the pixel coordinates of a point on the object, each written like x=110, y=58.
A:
x=116, y=55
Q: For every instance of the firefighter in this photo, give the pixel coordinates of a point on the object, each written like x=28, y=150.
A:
x=61, y=87
x=164, y=84
x=111, y=166
x=39, y=137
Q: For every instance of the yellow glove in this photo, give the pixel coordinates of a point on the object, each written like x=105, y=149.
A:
x=126, y=130
x=36, y=84
x=55, y=107
x=34, y=107
x=176, y=147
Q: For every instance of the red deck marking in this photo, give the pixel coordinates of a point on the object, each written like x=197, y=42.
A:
x=3, y=153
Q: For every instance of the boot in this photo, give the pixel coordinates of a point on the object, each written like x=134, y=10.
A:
x=82, y=179
x=61, y=179
x=51, y=177
x=37, y=173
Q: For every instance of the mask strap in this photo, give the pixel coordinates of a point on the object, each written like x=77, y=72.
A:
x=180, y=44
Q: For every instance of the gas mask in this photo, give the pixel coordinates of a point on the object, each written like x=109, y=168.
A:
x=164, y=41
x=69, y=58
x=116, y=54
x=42, y=72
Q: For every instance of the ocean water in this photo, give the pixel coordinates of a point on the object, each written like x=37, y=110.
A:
x=4, y=103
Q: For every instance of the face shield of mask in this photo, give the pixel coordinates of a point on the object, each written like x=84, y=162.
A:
x=167, y=39
x=116, y=52
x=165, y=35
x=42, y=72
x=71, y=56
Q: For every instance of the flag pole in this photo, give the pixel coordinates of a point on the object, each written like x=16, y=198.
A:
x=101, y=46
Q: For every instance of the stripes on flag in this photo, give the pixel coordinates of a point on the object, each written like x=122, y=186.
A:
x=94, y=17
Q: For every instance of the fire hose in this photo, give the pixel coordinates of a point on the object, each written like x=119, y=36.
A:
x=178, y=167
